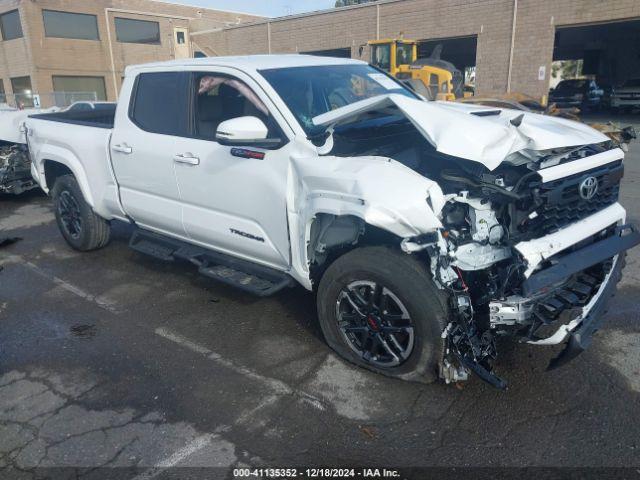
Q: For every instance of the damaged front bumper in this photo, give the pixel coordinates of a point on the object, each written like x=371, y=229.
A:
x=567, y=280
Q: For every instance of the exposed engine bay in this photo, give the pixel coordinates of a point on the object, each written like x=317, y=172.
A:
x=15, y=169
x=488, y=213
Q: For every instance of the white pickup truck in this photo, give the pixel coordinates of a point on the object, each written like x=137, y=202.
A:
x=426, y=229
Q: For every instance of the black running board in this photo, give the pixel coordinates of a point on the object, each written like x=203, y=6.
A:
x=247, y=276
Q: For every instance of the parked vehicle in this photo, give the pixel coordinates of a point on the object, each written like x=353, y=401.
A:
x=580, y=93
x=15, y=164
x=85, y=106
x=427, y=229
x=626, y=97
x=399, y=58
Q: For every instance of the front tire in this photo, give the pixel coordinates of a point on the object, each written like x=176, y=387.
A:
x=80, y=226
x=380, y=309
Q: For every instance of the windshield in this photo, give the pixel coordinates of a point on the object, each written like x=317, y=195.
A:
x=312, y=91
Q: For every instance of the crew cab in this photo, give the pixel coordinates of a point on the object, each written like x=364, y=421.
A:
x=426, y=229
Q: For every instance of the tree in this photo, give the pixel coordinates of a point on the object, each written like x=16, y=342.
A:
x=346, y=3
x=566, y=69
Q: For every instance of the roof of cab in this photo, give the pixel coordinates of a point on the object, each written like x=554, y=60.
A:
x=248, y=63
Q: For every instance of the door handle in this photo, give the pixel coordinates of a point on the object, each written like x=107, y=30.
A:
x=186, y=158
x=122, y=148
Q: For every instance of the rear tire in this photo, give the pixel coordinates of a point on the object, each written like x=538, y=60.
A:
x=382, y=339
x=82, y=229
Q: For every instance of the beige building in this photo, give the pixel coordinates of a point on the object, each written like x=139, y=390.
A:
x=508, y=45
x=65, y=50
x=61, y=49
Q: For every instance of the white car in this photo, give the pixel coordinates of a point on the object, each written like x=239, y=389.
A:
x=627, y=96
x=86, y=106
x=426, y=229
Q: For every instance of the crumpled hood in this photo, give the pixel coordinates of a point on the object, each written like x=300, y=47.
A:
x=481, y=134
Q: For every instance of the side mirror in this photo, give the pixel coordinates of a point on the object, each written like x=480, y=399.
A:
x=245, y=132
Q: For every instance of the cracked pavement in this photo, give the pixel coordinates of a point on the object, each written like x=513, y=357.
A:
x=115, y=360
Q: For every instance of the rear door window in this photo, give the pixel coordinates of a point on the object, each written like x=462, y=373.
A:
x=160, y=103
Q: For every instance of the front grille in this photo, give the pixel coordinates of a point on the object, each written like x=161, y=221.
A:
x=562, y=204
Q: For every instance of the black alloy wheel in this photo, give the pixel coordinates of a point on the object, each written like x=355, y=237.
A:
x=70, y=214
x=375, y=324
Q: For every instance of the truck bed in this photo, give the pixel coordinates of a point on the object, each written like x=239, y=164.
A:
x=82, y=138
x=99, y=118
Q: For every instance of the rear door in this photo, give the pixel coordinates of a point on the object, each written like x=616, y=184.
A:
x=146, y=137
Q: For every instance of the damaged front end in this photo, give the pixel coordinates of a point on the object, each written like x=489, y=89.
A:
x=530, y=253
x=15, y=169
x=531, y=237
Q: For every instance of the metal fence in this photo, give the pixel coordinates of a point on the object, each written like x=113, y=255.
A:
x=51, y=99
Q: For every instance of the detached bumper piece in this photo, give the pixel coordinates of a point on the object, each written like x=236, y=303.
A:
x=593, y=273
x=580, y=338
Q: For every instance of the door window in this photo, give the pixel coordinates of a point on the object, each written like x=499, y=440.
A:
x=404, y=53
x=220, y=98
x=381, y=56
x=160, y=103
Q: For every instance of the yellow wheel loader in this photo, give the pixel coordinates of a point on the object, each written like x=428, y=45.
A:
x=432, y=77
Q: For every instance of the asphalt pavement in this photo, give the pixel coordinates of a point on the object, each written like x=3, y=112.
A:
x=116, y=364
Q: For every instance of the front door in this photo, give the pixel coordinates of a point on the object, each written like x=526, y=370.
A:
x=234, y=199
x=181, y=44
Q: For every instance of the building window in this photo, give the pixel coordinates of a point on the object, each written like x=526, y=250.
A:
x=79, y=26
x=77, y=88
x=129, y=30
x=154, y=110
x=3, y=96
x=10, y=25
x=22, y=92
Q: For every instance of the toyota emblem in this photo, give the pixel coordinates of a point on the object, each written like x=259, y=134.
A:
x=588, y=188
